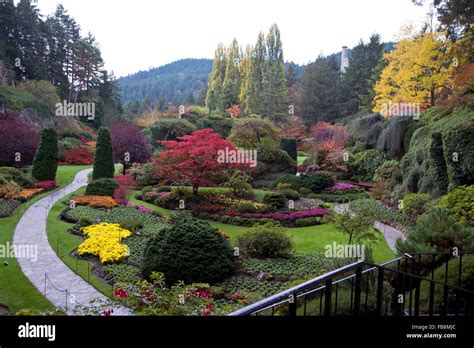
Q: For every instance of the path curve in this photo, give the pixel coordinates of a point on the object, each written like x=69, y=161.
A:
x=390, y=234
x=30, y=232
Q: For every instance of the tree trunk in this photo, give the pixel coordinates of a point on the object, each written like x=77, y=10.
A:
x=195, y=190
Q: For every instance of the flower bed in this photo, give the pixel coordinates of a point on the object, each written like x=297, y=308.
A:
x=46, y=184
x=104, y=241
x=8, y=206
x=342, y=186
x=26, y=194
x=96, y=201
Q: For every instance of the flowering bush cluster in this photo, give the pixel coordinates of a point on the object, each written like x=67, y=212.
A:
x=79, y=156
x=26, y=194
x=104, y=241
x=46, y=184
x=122, y=195
x=96, y=201
x=127, y=181
x=228, y=202
x=287, y=217
x=340, y=186
x=9, y=190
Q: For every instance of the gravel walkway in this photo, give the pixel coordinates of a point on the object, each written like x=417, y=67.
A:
x=43, y=267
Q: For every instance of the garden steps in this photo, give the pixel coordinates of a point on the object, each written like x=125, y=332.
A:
x=48, y=273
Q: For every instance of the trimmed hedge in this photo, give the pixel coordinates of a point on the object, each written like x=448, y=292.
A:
x=45, y=162
x=104, y=156
x=102, y=187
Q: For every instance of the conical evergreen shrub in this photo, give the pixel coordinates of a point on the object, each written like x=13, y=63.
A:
x=45, y=162
x=104, y=156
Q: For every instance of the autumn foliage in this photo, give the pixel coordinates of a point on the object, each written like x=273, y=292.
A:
x=331, y=137
x=79, y=156
x=193, y=160
x=96, y=201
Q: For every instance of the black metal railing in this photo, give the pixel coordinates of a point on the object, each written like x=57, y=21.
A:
x=405, y=286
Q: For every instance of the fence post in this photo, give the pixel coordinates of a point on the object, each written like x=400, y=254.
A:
x=380, y=280
x=292, y=305
x=328, y=298
x=358, y=279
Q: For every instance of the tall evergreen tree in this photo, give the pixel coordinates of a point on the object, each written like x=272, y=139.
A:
x=440, y=171
x=45, y=162
x=104, y=156
x=216, y=79
x=275, y=93
x=231, y=82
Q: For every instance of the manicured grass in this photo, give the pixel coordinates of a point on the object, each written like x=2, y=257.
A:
x=16, y=291
x=301, y=159
x=306, y=239
x=64, y=243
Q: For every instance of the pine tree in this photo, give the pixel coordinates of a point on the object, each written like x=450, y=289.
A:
x=216, y=79
x=275, y=93
x=104, y=156
x=440, y=171
x=45, y=162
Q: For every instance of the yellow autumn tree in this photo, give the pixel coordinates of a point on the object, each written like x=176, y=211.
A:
x=419, y=70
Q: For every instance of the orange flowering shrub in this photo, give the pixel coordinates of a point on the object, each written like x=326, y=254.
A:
x=27, y=193
x=96, y=201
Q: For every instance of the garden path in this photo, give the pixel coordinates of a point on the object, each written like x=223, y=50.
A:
x=390, y=234
x=43, y=267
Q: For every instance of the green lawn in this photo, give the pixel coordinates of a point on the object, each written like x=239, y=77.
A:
x=64, y=243
x=301, y=159
x=16, y=291
x=306, y=239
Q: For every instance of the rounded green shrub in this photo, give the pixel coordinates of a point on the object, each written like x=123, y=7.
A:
x=305, y=191
x=102, y=187
x=293, y=180
x=275, y=199
x=317, y=182
x=191, y=251
x=246, y=208
x=414, y=205
x=164, y=188
x=460, y=204
x=290, y=194
x=267, y=240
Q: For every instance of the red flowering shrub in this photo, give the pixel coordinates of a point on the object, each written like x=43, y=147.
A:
x=46, y=184
x=122, y=195
x=79, y=156
x=127, y=181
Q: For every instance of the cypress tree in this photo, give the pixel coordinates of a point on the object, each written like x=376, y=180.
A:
x=104, y=156
x=440, y=171
x=45, y=162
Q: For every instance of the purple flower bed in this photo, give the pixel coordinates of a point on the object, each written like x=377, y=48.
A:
x=342, y=186
x=288, y=216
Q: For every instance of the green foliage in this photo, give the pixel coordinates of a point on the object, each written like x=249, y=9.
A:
x=290, y=194
x=19, y=100
x=102, y=187
x=104, y=156
x=363, y=165
x=440, y=173
x=293, y=180
x=246, y=208
x=460, y=141
x=304, y=191
x=45, y=163
x=163, y=188
x=240, y=184
x=122, y=273
x=42, y=90
x=309, y=221
x=466, y=282
x=316, y=182
x=437, y=231
x=7, y=207
x=265, y=241
x=415, y=204
x=289, y=145
x=169, y=129
x=275, y=199
x=460, y=204
x=389, y=170
x=253, y=131
x=15, y=175
x=342, y=197
x=191, y=251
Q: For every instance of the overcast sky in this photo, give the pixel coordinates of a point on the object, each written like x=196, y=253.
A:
x=138, y=34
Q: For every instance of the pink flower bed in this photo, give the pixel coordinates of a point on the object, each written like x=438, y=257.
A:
x=342, y=187
x=289, y=217
x=46, y=184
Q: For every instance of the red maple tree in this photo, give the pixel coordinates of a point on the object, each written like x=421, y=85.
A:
x=331, y=137
x=193, y=160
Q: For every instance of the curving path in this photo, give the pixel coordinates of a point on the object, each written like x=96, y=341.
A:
x=390, y=234
x=30, y=232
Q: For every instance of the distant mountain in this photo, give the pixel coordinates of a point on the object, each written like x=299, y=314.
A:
x=175, y=81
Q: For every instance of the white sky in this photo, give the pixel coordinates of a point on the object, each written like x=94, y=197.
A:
x=138, y=34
